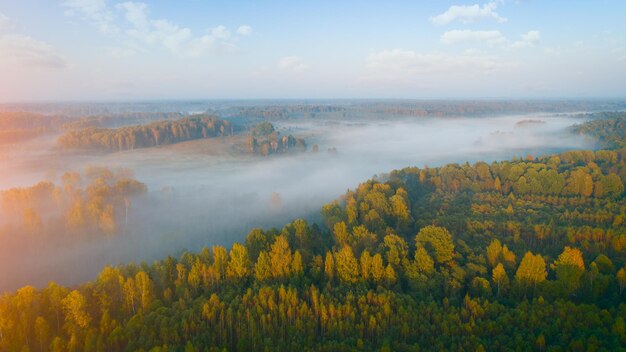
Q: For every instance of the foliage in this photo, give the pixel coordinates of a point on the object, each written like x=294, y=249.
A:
x=416, y=259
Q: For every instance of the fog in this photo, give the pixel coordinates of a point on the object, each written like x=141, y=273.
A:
x=198, y=197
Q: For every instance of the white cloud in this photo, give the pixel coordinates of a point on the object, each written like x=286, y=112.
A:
x=469, y=36
x=529, y=39
x=399, y=62
x=136, y=13
x=17, y=49
x=178, y=40
x=220, y=32
x=468, y=14
x=244, y=30
x=5, y=22
x=132, y=19
x=95, y=11
x=292, y=63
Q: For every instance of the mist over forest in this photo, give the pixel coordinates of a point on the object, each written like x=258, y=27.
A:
x=328, y=176
x=204, y=192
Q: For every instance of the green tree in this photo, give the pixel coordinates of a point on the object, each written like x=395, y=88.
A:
x=569, y=268
x=621, y=279
x=397, y=250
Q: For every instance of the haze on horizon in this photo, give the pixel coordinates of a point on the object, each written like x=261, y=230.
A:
x=74, y=50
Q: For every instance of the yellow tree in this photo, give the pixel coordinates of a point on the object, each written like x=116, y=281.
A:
x=423, y=262
x=263, y=267
x=280, y=258
x=329, y=266
x=508, y=258
x=366, y=264
x=238, y=263
x=220, y=261
x=75, y=306
x=42, y=332
x=296, y=265
x=494, y=252
x=341, y=234
x=396, y=250
x=378, y=268
x=145, y=289
x=347, y=266
x=569, y=268
x=532, y=270
x=499, y=276
x=439, y=240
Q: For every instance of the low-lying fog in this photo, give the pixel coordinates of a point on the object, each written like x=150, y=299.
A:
x=199, y=199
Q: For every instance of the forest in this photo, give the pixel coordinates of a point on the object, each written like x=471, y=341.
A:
x=149, y=135
x=526, y=254
x=608, y=128
x=265, y=140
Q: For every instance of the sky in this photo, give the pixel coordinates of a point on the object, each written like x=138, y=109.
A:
x=100, y=50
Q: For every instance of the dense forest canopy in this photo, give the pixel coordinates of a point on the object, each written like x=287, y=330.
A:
x=150, y=135
x=513, y=255
x=608, y=128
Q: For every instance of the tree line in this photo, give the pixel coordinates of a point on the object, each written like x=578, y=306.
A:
x=143, y=136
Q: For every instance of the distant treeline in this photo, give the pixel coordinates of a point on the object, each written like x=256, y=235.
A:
x=150, y=135
x=416, y=108
x=21, y=126
x=28, y=121
x=121, y=119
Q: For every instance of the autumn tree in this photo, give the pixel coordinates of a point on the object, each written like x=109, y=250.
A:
x=438, y=241
x=499, y=277
x=347, y=265
x=532, y=270
x=238, y=263
x=569, y=268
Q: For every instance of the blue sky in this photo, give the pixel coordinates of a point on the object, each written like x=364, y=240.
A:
x=190, y=49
